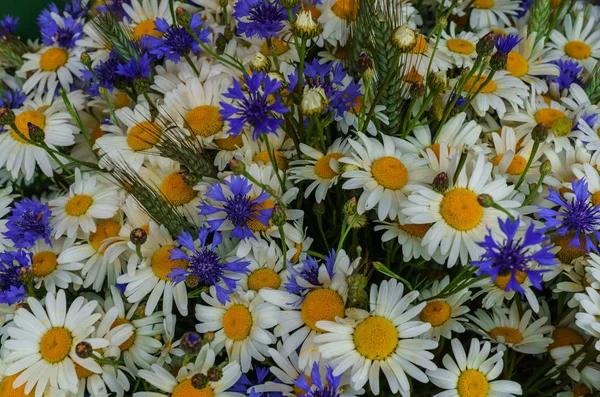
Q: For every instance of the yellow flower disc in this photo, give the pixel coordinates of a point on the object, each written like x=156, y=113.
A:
x=122, y=100
x=204, y=121
x=517, y=165
x=176, y=191
x=502, y=280
x=322, y=167
x=56, y=344
x=230, y=143
x=185, y=389
x=461, y=210
x=162, y=265
x=43, y=263
x=53, y=59
x=510, y=335
x=263, y=157
x=516, y=64
x=321, y=304
x=345, y=9
x=254, y=224
x=7, y=390
x=472, y=383
x=565, y=336
x=130, y=341
x=390, y=173
x=22, y=122
x=475, y=83
x=415, y=230
x=421, y=45
x=436, y=313
x=78, y=205
x=375, y=338
x=104, y=230
x=145, y=28
x=143, y=136
x=237, y=322
x=578, y=49
x=547, y=116
x=263, y=278
x=278, y=47
x=460, y=46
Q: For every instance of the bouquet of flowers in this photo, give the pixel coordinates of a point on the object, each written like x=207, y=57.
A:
x=319, y=198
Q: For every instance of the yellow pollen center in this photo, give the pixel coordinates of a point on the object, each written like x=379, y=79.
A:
x=143, y=136
x=476, y=83
x=230, y=143
x=43, y=263
x=145, y=28
x=322, y=167
x=472, y=383
x=460, y=46
x=56, y=344
x=412, y=76
x=296, y=256
x=204, y=121
x=390, y=173
x=568, y=253
x=53, y=59
x=7, y=390
x=256, y=225
x=82, y=372
x=263, y=157
x=578, y=49
x=176, y=191
x=237, y=322
x=185, y=389
x=345, y=9
x=596, y=198
x=502, y=280
x=97, y=132
x=278, y=47
x=436, y=313
x=104, y=230
x=517, y=165
x=509, y=334
x=321, y=304
x=78, y=205
x=564, y=336
x=516, y=64
x=122, y=100
x=162, y=265
x=21, y=121
x=415, y=230
x=547, y=116
x=131, y=340
x=421, y=45
x=263, y=278
x=461, y=210
x=581, y=390
x=375, y=338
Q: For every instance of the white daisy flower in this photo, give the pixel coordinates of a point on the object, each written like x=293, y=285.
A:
x=488, y=14
x=578, y=42
x=420, y=57
x=336, y=15
x=382, y=339
x=48, y=270
x=496, y=293
x=255, y=151
x=143, y=15
x=97, y=46
x=587, y=319
x=50, y=67
x=170, y=346
x=265, y=269
x=6, y=199
x=409, y=236
x=473, y=374
x=89, y=199
x=460, y=48
x=228, y=148
x=510, y=159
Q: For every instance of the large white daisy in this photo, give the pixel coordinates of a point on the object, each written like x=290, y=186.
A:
x=578, y=42
x=49, y=67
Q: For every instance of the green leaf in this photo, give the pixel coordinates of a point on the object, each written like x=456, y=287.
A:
x=383, y=269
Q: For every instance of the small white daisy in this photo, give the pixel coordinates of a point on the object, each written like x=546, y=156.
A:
x=488, y=14
x=143, y=15
x=578, y=42
x=48, y=270
x=49, y=67
x=460, y=48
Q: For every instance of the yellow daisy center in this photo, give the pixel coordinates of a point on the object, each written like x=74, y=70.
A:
x=21, y=121
x=78, y=205
x=472, y=383
x=547, y=116
x=56, y=344
x=581, y=390
x=254, y=224
x=278, y=47
x=143, y=136
x=421, y=45
x=461, y=210
x=568, y=253
x=82, y=372
x=263, y=157
x=97, y=132
x=578, y=49
x=483, y=4
x=162, y=265
x=230, y=143
x=104, y=230
x=517, y=165
x=475, y=83
x=510, y=335
x=415, y=230
x=564, y=336
x=185, y=389
x=436, y=313
x=296, y=256
x=516, y=64
x=204, y=121
x=263, y=278
x=122, y=100
x=7, y=390
x=460, y=46
x=145, y=28
x=502, y=280
x=43, y=263
x=321, y=304
x=53, y=59
x=176, y=191
x=130, y=341
x=345, y=9
x=390, y=173
x=375, y=338
x=322, y=167
x=596, y=198
x=237, y=322
x=412, y=76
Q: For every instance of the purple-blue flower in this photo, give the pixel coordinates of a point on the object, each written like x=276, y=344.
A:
x=570, y=72
x=525, y=6
x=245, y=383
x=505, y=43
x=254, y=108
x=105, y=74
x=315, y=386
x=305, y=275
x=136, y=68
x=205, y=263
x=577, y=217
x=8, y=25
x=113, y=7
x=511, y=256
x=239, y=207
x=13, y=265
x=262, y=18
x=62, y=31
x=12, y=99
x=29, y=222
x=175, y=41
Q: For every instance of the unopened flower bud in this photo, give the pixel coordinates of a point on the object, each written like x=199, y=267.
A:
x=314, y=102
x=36, y=134
x=562, y=126
x=85, y=59
x=485, y=200
x=7, y=116
x=546, y=167
x=289, y=3
x=183, y=16
x=279, y=217
x=138, y=236
x=364, y=63
x=498, y=60
x=199, y=381
x=319, y=209
x=84, y=350
x=305, y=26
x=440, y=183
x=437, y=107
x=141, y=84
x=236, y=166
x=260, y=63
x=442, y=22
x=416, y=90
x=350, y=207
x=437, y=81
x=191, y=342
x=221, y=43
x=485, y=45
x=404, y=38
x=209, y=336
x=228, y=33
x=214, y=373
x=192, y=281
x=189, y=178
x=539, y=133
x=358, y=221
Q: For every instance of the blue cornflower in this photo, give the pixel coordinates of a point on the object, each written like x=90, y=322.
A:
x=8, y=25
x=244, y=383
x=525, y=6
x=262, y=18
x=570, y=72
x=505, y=43
x=12, y=99
x=330, y=77
x=513, y=256
x=106, y=74
x=113, y=7
x=577, y=217
x=13, y=265
x=306, y=275
x=239, y=207
x=134, y=69
x=62, y=31
x=176, y=41
x=255, y=108
x=29, y=222
x=206, y=264
x=315, y=386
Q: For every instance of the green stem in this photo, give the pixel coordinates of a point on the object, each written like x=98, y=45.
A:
x=273, y=160
x=194, y=68
x=534, y=150
x=381, y=89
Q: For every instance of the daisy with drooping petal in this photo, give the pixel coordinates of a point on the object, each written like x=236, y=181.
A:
x=579, y=41
x=143, y=14
x=382, y=339
x=336, y=16
x=51, y=67
x=488, y=14
x=473, y=374
x=88, y=199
